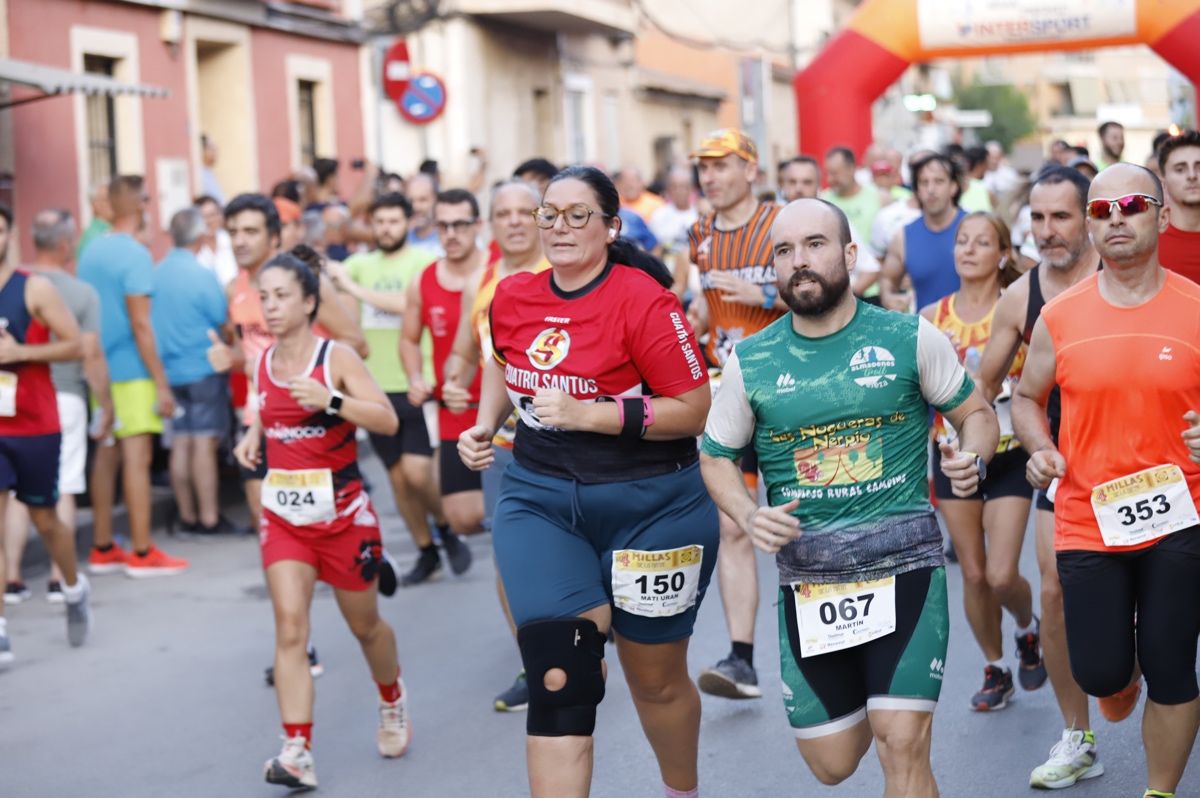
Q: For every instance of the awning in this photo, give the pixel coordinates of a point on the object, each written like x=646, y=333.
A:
x=52, y=81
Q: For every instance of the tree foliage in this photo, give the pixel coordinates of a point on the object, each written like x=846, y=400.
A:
x=1011, y=118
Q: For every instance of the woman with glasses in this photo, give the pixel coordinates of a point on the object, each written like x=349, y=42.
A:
x=988, y=527
x=603, y=521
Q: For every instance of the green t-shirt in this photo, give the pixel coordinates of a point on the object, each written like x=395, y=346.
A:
x=380, y=271
x=976, y=197
x=96, y=227
x=860, y=208
x=842, y=424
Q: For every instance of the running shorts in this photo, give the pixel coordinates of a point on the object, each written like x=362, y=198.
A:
x=453, y=476
x=72, y=459
x=411, y=438
x=554, y=540
x=133, y=409
x=828, y=693
x=1005, y=477
x=348, y=560
x=29, y=467
x=202, y=407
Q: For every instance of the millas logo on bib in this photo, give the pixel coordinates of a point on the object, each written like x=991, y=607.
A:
x=549, y=348
x=873, y=367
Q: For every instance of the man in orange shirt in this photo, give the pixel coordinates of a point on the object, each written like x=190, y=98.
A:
x=634, y=195
x=1121, y=345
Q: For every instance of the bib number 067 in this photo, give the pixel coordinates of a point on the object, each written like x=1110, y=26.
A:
x=845, y=610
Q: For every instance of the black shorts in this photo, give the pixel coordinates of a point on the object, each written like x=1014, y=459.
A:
x=1155, y=590
x=1040, y=502
x=29, y=467
x=1005, y=477
x=452, y=474
x=411, y=438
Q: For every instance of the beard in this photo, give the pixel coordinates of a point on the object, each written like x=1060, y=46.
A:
x=389, y=246
x=831, y=293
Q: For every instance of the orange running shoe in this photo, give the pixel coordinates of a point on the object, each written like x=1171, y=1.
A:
x=155, y=562
x=1118, y=706
x=107, y=562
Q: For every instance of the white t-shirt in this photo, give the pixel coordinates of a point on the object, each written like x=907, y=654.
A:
x=670, y=225
x=220, y=261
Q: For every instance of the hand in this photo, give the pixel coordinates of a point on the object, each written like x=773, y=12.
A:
x=1044, y=466
x=772, y=528
x=310, y=393
x=102, y=424
x=248, y=452
x=164, y=401
x=337, y=273
x=735, y=289
x=456, y=398
x=1191, y=435
x=419, y=392
x=220, y=355
x=10, y=350
x=960, y=469
x=475, y=447
x=557, y=409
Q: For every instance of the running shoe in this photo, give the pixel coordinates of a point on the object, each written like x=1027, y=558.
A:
x=427, y=568
x=16, y=592
x=515, y=698
x=294, y=767
x=457, y=552
x=6, y=654
x=1118, y=706
x=79, y=614
x=732, y=677
x=387, y=575
x=314, y=667
x=54, y=593
x=997, y=689
x=154, y=562
x=107, y=562
x=1072, y=759
x=395, y=729
x=1032, y=672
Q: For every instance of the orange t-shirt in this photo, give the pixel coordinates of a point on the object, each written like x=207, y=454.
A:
x=1127, y=377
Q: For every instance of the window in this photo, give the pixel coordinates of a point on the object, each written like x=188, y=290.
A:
x=577, y=136
x=306, y=99
x=101, y=124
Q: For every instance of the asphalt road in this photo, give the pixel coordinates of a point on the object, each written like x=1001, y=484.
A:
x=168, y=699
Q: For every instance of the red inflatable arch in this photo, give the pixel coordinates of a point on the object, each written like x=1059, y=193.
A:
x=835, y=92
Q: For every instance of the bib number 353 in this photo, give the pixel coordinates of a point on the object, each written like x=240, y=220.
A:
x=834, y=617
x=1144, y=506
x=656, y=584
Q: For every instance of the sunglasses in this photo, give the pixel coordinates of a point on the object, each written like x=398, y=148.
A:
x=1129, y=205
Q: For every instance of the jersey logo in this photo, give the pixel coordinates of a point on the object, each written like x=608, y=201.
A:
x=549, y=348
x=873, y=367
x=785, y=384
x=1165, y=354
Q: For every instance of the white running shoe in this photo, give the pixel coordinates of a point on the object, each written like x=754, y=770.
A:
x=294, y=767
x=395, y=730
x=1072, y=759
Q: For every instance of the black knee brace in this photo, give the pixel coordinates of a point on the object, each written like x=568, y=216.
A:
x=575, y=646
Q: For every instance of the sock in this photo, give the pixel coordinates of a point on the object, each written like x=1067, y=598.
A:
x=142, y=552
x=1089, y=737
x=999, y=664
x=1033, y=627
x=673, y=793
x=74, y=593
x=429, y=551
x=744, y=651
x=1158, y=794
x=390, y=693
x=105, y=549
x=299, y=730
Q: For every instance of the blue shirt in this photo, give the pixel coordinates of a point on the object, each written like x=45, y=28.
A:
x=635, y=229
x=188, y=302
x=117, y=266
x=929, y=259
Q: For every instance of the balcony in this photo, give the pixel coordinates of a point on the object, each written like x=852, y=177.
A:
x=604, y=17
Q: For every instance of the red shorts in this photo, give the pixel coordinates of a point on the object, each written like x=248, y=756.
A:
x=347, y=560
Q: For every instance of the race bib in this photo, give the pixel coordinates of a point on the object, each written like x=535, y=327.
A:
x=1143, y=506
x=300, y=497
x=8, y=394
x=656, y=584
x=834, y=617
x=375, y=319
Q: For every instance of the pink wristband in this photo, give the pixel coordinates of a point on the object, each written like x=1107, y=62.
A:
x=648, y=416
x=620, y=410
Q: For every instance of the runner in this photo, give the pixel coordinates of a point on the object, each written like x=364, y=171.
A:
x=731, y=248
x=1179, y=244
x=317, y=522
x=988, y=527
x=30, y=434
x=1121, y=347
x=835, y=398
x=1059, y=227
x=598, y=487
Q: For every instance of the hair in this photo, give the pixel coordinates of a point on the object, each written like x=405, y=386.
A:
x=845, y=236
x=256, y=202
x=1009, y=272
x=120, y=184
x=524, y=185
x=1157, y=142
x=203, y=139
x=288, y=189
x=1081, y=151
x=428, y=167
x=976, y=156
x=539, y=166
x=846, y=153
x=392, y=199
x=1066, y=144
x=1104, y=126
x=310, y=282
x=50, y=228
x=205, y=199
x=7, y=214
x=947, y=162
x=799, y=159
x=621, y=251
x=1065, y=174
x=310, y=257
x=313, y=222
x=458, y=196
x=325, y=169
x=1190, y=138
x=187, y=227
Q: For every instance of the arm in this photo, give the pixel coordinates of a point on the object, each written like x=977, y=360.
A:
x=475, y=445
x=1005, y=341
x=674, y=416
x=365, y=193
x=681, y=270
x=47, y=306
x=333, y=317
x=95, y=371
x=1030, y=423
x=387, y=301
x=138, y=306
x=892, y=274
x=364, y=404
x=410, y=346
x=459, y=369
x=975, y=422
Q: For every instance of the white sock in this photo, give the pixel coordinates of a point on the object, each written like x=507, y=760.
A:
x=999, y=664
x=1033, y=627
x=74, y=593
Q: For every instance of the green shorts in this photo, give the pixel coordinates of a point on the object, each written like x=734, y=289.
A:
x=133, y=409
x=828, y=693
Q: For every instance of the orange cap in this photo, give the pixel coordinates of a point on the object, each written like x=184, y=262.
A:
x=727, y=141
x=288, y=210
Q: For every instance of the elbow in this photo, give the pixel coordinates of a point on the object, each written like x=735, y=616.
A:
x=363, y=350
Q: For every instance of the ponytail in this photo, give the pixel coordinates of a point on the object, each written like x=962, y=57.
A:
x=625, y=253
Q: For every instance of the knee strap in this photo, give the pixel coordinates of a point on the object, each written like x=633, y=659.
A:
x=575, y=646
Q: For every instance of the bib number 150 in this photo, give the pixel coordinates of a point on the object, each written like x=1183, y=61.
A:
x=661, y=584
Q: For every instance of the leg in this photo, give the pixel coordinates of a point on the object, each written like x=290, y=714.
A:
x=59, y=541
x=668, y=706
x=464, y=511
x=964, y=520
x=360, y=608
x=416, y=499
x=290, y=584
x=1072, y=701
x=253, y=490
x=737, y=575
x=16, y=533
x=103, y=488
x=1099, y=602
x=205, y=481
x=1004, y=520
x=181, y=477
x=834, y=758
x=66, y=511
x=136, y=452
x=902, y=740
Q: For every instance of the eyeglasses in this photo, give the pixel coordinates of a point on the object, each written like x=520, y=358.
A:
x=576, y=216
x=461, y=226
x=1129, y=205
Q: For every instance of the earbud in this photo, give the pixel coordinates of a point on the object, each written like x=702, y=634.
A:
x=612, y=234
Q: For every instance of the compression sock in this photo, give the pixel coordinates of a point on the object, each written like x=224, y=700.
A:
x=1158, y=794
x=673, y=793
x=299, y=730
x=744, y=651
x=390, y=693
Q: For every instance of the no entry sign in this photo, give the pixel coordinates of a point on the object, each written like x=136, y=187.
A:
x=396, y=70
x=424, y=99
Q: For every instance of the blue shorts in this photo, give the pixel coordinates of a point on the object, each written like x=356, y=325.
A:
x=29, y=467
x=203, y=407
x=554, y=541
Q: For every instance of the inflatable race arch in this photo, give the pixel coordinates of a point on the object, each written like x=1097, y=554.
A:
x=834, y=93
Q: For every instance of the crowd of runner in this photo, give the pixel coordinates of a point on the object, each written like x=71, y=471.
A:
x=635, y=389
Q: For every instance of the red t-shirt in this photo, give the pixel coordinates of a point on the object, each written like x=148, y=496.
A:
x=1179, y=251
x=27, y=403
x=621, y=335
x=440, y=313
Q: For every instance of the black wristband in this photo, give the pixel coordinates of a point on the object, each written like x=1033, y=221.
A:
x=635, y=413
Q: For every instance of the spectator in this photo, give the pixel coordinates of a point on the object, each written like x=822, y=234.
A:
x=292, y=230
x=327, y=182
x=1060, y=151
x=122, y=272
x=1112, y=144
x=634, y=195
x=975, y=196
x=209, y=185
x=101, y=217
x=859, y=203
x=188, y=304
x=1001, y=178
x=290, y=190
x=422, y=194
x=636, y=230
x=537, y=171
x=217, y=254
x=337, y=226
x=799, y=177
x=671, y=222
x=313, y=223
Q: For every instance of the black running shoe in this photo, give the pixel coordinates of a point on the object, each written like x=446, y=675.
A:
x=515, y=698
x=997, y=689
x=457, y=552
x=1032, y=673
x=427, y=568
x=314, y=667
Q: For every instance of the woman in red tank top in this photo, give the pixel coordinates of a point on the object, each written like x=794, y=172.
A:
x=317, y=521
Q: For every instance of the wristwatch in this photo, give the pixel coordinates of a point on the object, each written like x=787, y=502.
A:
x=982, y=466
x=770, y=292
x=334, y=408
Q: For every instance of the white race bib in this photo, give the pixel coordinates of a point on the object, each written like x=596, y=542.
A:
x=834, y=617
x=375, y=319
x=656, y=584
x=8, y=394
x=300, y=497
x=1143, y=506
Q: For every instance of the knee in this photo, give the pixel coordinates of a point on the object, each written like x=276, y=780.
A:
x=291, y=630
x=1003, y=582
x=416, y=473
x=902, y=748
x=832, y=774
x=464, y=520
x=665, y=688
x=365, y=629
x=1051, y=595
x=974, y=577
x=564, y=664
x=1102, y=676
